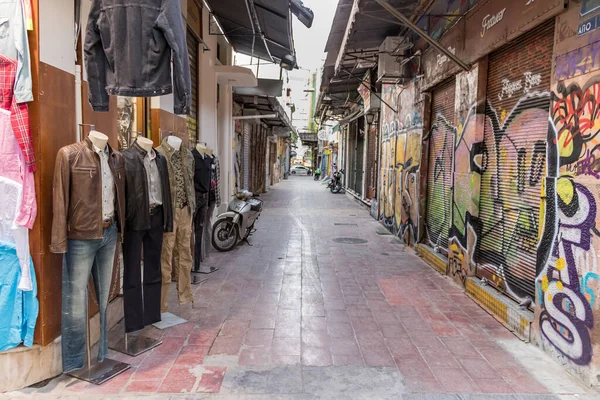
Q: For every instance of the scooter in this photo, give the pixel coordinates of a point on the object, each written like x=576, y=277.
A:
x=335, y=185
x=237, y=223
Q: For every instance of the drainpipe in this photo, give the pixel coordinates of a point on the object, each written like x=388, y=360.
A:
x=78, y=103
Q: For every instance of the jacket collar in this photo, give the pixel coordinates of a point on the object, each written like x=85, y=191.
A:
x=90, y=146
x=168, y=148
x=139, y=150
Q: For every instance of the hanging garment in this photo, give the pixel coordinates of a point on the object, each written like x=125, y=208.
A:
x=19, y=117
x=10, y=232
x=216, y=178
x=13, y=167
x=28, y=14
x=18, y=309
x=15, y=46
x=128, y=52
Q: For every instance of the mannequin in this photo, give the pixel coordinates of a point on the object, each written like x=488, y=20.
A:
x=145, y=143
x=175, y=142
x=88, y=237
x=202, y=149
x=100, y=140
x=176, y=256
x=202, y=176
x=149, y=216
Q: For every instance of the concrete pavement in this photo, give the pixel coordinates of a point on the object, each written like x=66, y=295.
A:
x=300, y=315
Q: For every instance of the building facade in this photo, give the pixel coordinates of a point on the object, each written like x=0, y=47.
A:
x=487, y=162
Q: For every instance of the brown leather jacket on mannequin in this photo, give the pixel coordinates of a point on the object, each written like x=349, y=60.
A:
x=77, y=194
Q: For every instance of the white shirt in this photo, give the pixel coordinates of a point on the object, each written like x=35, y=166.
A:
x=108, y=185
x=153, y=177
x=10, y=232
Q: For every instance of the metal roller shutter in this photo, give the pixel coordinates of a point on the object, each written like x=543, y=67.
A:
x=441, y=165
x=513, y=161
x=192, y=120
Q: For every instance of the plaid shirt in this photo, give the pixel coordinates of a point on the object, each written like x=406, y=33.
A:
x=19, y=113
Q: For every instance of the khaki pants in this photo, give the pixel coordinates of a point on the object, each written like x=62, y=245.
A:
x=177, y=253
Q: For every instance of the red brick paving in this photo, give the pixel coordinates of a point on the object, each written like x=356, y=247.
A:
x=350, y=307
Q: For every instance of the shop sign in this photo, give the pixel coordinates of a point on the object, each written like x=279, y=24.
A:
x=589, y=6
x=490, y=25
x=194, y=17
x=489, y=21
x=365, y=92
x=587, y=26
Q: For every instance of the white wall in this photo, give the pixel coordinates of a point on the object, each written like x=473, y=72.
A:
x=57, y=42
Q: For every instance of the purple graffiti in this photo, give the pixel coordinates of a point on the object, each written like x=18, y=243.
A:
x=589, y=164
x=567, y=315
x=578, y=62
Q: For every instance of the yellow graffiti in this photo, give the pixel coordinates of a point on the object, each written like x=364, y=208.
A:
x=559, y=285
x=549, y=296
x=545, y=283
x=560, y=264
x=565, y=189
x=565, y=143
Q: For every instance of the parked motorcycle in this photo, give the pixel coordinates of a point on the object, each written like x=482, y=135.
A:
x=335, y=185
x=237, y=223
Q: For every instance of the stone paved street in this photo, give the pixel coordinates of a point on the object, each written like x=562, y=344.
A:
x=300, y=316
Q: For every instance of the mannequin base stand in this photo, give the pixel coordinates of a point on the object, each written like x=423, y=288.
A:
x=168, y=320
x=100, y=372
x=135, y=345
x=204, y=269
x=196, y=280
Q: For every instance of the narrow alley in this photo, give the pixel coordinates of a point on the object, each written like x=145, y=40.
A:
x=327, y=304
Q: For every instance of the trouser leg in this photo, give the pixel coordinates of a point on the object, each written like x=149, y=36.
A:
x=207, y=236
x=183, y=261
x=153, y=243
x=132, y=280
x=103, y=271
x=166, y=260
x=77, y=265
x=199, y=220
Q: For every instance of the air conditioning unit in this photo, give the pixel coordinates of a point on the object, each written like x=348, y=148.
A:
x=391, y=52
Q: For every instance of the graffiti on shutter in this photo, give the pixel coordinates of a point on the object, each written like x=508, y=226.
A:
x=440, y=166
x=513, y=162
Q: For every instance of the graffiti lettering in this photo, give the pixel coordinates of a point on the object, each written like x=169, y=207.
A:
x=577, y=62
x=490, y=20
x=443, y=59
x=567, y=328
x=531, y=81
x=509, y=88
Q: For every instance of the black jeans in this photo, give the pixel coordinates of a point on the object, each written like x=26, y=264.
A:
x=199, y=220
x=142, y=300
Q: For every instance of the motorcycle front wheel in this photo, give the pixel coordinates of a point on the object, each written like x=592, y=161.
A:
x=336, y=188
x=225, y=235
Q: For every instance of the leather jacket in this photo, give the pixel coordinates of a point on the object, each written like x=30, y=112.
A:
x=187, y=160
x=77, y=194
x=137, y=217
x=129, y=46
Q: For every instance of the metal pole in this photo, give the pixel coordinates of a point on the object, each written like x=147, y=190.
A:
x=88, y=345
x=423, y=34
x=370, y=90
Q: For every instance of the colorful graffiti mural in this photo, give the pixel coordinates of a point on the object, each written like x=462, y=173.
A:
x=567, y=256
x=400, y=161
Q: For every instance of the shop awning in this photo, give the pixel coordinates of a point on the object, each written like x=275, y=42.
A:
x=268, y=109
x=352, y=48
x=259, y=28
x=352, y=117
x=235, y=76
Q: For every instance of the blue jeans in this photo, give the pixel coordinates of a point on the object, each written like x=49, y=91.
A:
x=82, y=257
